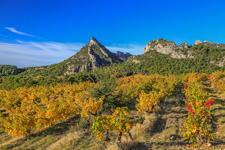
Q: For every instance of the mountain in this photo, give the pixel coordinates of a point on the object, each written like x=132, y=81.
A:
x=215, y=53
x=92, y=55
x=166, y=57
x=123, y=56
x=167, y=47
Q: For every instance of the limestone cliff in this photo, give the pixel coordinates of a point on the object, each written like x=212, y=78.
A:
x=166, y=47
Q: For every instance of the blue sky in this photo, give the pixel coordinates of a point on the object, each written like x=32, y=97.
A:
x=44, y=32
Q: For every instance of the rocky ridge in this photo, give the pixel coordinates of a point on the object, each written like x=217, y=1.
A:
x=171, y=48
x=167, y=47
x=123, y=56
x=184, y=51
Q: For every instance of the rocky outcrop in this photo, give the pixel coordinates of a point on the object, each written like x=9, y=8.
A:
x=183, y=45
x=161, y=45
x=166, y=47
x=92, y=57
x=93, y=41
x=122, y=55
x=71, y=69
x=208, y=42
x=197, y=42
x=218, y=63
x=136, y=61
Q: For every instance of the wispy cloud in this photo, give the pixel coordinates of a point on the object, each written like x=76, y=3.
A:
x=18, y=32
x=130, y=48
x=24, y=54
x=21, y=33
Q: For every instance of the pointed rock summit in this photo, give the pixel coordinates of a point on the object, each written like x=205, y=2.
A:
x=94, y=41
x=102, y=48
x=92, y=55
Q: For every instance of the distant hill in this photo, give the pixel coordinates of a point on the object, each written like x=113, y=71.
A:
x=6, y=70
x=166, y=57
x=215, y=53
x=123, y=56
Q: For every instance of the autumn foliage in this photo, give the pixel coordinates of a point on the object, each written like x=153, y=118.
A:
x=198, y=103
x=43, y=106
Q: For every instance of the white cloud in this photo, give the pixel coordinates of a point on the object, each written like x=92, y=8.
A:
x=18, y=32
x=24, y=54
x=130, y=48
x=21, y=33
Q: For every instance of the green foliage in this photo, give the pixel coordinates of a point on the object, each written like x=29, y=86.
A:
x=196, y=126
x=6, y=70
x=10, y=82
x=119, y=120
x=153, y=62
x=106, y=86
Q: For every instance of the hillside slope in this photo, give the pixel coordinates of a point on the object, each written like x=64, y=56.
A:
x=214, y=53
x=165, y=57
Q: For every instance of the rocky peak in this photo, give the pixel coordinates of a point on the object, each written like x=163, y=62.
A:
x=93, y=55
x=166, y=47
x=197, y=42
x=94, y=41
x=208, y=42
x=161, y=46
x=183, y=45
x=102, y=48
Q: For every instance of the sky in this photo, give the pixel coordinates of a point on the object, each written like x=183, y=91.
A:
x=44, y=32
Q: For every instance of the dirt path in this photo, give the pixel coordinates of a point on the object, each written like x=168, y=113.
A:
x=166, y=135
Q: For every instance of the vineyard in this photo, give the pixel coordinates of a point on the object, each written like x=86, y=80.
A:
x=139, y=111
